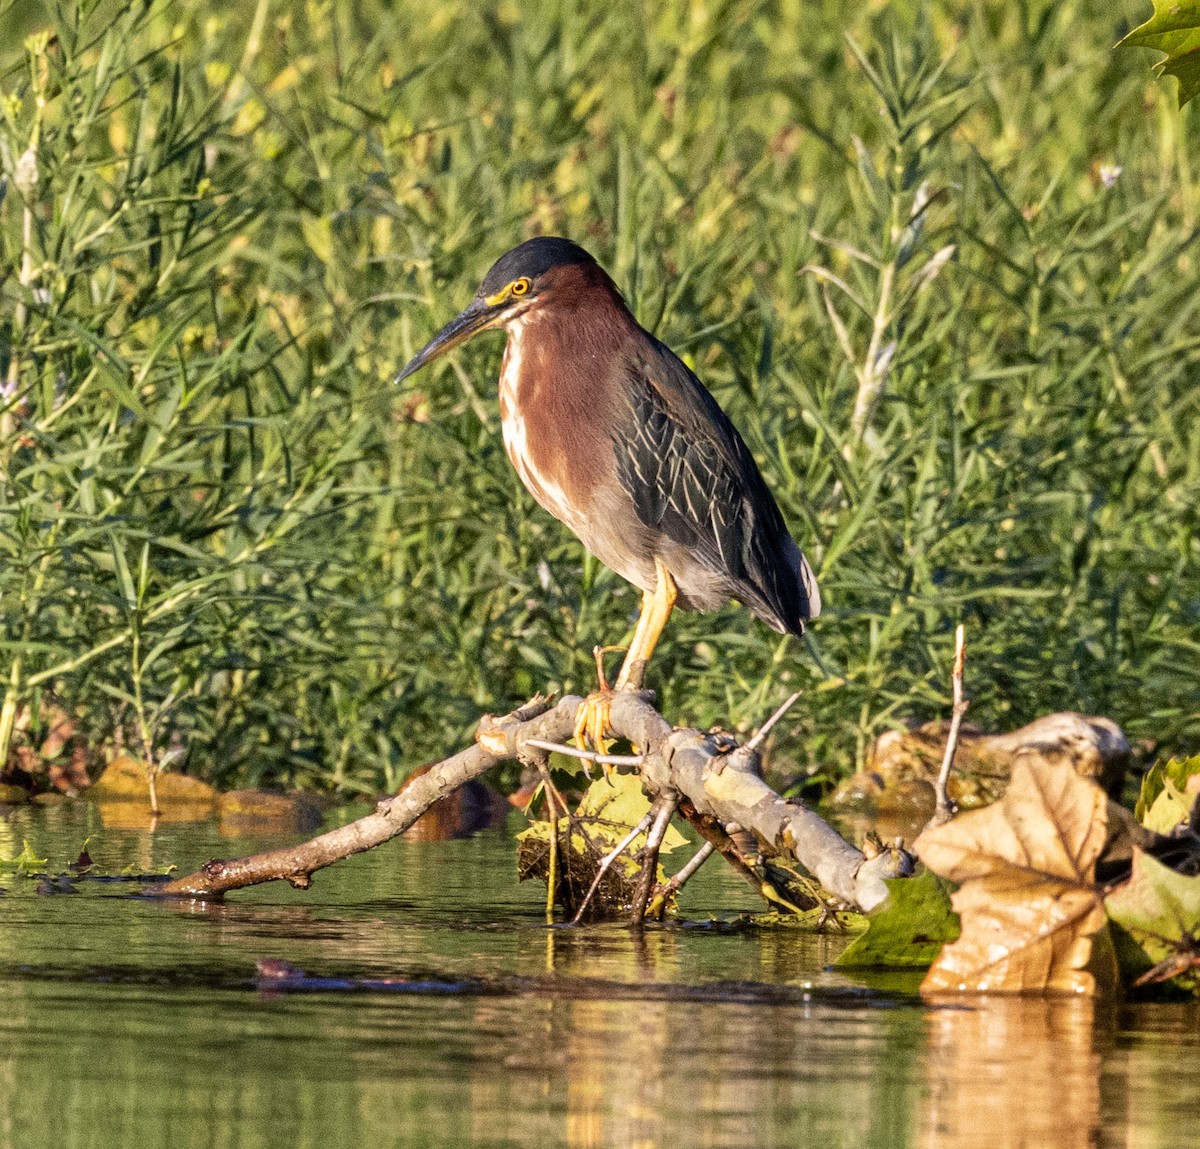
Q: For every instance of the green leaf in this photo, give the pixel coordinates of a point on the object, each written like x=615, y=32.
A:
x=1174, y=29
x=1152, y=785
x=618, y=804
x=1160, y=911
x=871, y=178
x=168, y=642
x=27, y=861
x=1164, y=800
x=607, y=813
x=124, y=576
x=1170, y=808
x=318, y=231
x=609, y=810
x=909, y=929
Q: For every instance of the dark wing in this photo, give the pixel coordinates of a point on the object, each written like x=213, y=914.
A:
x=692, y=478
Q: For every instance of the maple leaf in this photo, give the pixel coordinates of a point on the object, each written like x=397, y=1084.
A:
x=1028, y=900
x=1174, y=29
x=1160, y=909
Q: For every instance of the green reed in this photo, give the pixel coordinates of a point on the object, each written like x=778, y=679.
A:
x=895, y=246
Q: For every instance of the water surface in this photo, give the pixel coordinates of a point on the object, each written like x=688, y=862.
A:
x=442, y=1011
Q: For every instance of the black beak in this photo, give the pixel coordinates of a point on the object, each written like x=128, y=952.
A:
x=477, y=317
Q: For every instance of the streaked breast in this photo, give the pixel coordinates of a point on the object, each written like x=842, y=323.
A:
x=515, y=398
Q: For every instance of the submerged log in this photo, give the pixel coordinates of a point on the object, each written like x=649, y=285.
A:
x=902, y=764
x=720, y=781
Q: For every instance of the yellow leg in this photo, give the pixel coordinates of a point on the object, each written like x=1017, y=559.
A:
x=639, y=632
x=656, y=609
x=591, y=723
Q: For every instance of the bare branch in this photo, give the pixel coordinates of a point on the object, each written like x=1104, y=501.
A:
x=679, y=880
x=607, y=861
x=765, y=729
x=297, y=864
x=663, y=809
x=718, y=785
x=588, y=755
x=946, y=808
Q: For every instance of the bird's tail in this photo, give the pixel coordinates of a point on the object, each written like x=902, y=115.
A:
x=812, y=592
x=785, y=596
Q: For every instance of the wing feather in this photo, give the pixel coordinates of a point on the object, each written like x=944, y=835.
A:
x=692, y=479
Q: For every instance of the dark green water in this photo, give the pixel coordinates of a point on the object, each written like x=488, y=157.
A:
x=126, y=1022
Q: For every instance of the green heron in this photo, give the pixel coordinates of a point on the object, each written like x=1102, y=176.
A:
x=615, y=437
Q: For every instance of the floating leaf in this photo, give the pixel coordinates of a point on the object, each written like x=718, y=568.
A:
x=1174, y=29
x=137, y=873
x=606, y=814
x=909, y=929
x=819, y=920
x=1028, y=900
x=26, y=862
x=1160, y=910
x=83, y=864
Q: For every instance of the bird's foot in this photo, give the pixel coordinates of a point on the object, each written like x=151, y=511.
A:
x=592, y=724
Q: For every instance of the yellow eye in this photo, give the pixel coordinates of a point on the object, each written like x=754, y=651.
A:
x=520, y=286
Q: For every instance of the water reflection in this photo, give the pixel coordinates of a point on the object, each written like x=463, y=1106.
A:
x=1011, y=1072
x=639, y=1076
x=127, y=1022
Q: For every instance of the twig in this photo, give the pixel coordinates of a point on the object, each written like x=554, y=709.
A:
x=765, y=729
x=946, y=809
x=607, y=861
x=588, y=755
x=659, y=901
x=663, y=808
x=552, y=800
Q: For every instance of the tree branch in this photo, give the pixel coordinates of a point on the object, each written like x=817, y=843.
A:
x=297, y=864
x=718, y=783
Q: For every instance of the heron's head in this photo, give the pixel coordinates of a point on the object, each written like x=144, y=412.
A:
x=528, y=281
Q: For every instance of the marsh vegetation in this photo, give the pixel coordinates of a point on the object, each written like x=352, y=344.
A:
x=939, y=264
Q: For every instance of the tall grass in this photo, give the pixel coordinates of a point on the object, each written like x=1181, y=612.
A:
x=939, y=264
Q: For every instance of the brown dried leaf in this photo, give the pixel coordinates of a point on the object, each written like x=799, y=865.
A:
x=1028, y=901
